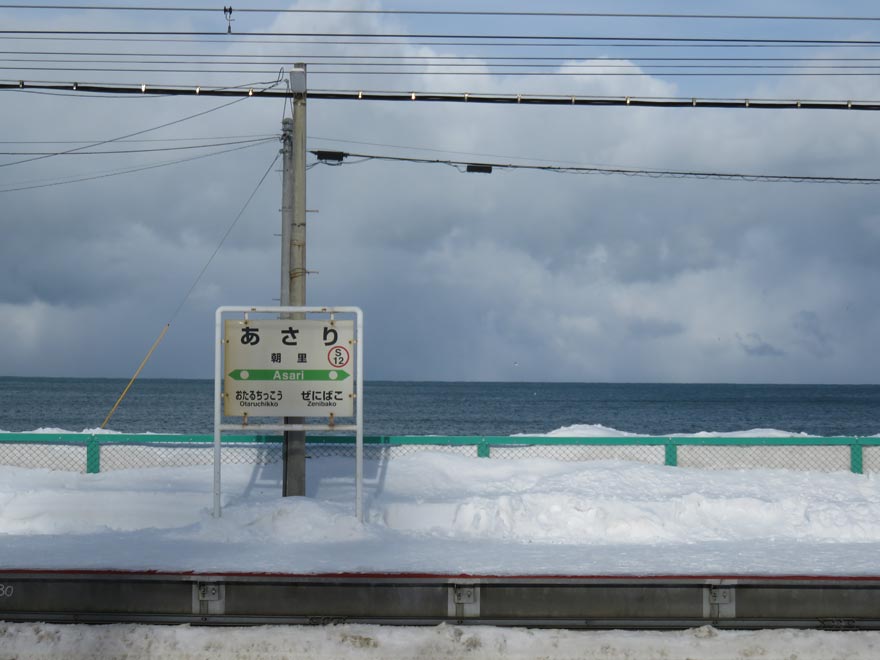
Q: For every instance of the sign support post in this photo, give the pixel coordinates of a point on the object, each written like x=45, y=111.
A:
x=289, y=367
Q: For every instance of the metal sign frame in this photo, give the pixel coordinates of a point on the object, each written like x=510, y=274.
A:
x=357, y=427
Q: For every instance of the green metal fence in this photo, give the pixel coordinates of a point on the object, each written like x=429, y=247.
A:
x=93, y=453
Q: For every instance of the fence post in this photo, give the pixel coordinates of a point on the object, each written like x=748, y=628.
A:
x=93, y=456
x=671, y=453
x=483, y=449
x=856, y=457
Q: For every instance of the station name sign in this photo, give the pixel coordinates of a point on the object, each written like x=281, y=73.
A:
x=288, y=368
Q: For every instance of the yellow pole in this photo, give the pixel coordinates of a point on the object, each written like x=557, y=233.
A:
x=136, y=374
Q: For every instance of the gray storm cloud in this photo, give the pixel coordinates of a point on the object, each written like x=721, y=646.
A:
x=514, y=275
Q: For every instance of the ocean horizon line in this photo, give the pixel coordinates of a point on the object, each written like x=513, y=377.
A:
x=475, y=382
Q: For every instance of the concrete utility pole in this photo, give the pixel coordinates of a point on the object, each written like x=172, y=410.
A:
x=293, y=255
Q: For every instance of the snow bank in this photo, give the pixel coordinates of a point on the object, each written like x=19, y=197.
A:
x=581, y=431
x=364, y=642
x=57, y=431
x=599, y=431
x=438, y=512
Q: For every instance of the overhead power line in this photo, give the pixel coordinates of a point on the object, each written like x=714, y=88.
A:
x=249, y=38
x=259, y=136
x=488, y=63
x=440, y=12
x=131, y=170
x=567, y=72
x=122, y=137
x=187, y=295
x=136, y=133
x=444, y=97
x=223, y=239
x=337, y=158
x=131, y=151
x=488, y=37
x=19, y=62
x=315, y=58
x=360, y=67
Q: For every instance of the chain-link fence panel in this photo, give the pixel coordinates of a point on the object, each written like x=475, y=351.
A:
x=384, y=452
x=787, y=457
x=871, y=459
x=71, y=457
x=93, y=454
x=125, y=456
x=99, y=453
x=638, y=453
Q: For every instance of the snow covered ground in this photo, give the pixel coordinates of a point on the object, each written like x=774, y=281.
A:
x=445, y=513
x=361, y=642
x=441, y=513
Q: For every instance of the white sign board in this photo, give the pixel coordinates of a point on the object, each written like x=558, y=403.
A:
x=289, y=368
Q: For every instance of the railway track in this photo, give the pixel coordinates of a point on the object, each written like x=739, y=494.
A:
x=588, y=602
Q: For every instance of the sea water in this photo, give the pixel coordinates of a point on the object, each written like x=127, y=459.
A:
x=457, y=408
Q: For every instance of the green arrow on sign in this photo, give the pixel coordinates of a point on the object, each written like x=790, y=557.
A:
x=283, y=375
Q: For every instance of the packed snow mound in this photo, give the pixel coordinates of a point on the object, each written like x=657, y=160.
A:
x=581, y=431
x=599, y=431
x=751, y=433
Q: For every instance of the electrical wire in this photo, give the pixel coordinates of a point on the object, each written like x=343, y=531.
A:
x=126, y=171
x=141, y=132
x=450, y=97
x=227, y=39
x=471, y=66
x=74, y=95
x=255, y=136
x=660, y=71
x=600, y=63
x=123, y=137
x=186, y=297
x=318, y=138
x=436, y=12
x=650, y=173
x=653, y=40
x=223, y=239
x=315, y=58
x=126, y=151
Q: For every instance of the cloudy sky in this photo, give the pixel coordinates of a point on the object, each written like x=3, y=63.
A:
x=515, y=275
